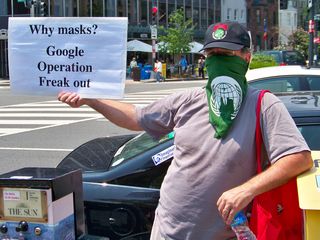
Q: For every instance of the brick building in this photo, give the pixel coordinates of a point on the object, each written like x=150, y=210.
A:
x=262, y=21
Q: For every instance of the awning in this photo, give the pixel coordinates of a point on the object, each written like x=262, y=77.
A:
x=138, y=46
x=195, y=47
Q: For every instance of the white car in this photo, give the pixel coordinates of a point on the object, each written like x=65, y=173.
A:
x=285, y=78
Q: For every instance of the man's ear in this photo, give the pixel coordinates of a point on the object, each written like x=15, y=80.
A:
x=248, y=57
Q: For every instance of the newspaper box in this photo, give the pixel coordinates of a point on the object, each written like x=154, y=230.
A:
x=41, y=203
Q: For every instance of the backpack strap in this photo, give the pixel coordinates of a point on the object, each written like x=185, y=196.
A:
x=258, y=134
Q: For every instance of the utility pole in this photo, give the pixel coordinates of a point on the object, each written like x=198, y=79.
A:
x=154, y=33
x=311, y=31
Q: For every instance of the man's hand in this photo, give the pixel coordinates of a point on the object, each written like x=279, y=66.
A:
x=232, y=201
x=72, y=99
x=287, y=167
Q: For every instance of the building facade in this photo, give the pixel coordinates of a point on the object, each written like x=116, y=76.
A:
x=262, y=21
x=234, y=11
x=288, y=23
x=139, y=13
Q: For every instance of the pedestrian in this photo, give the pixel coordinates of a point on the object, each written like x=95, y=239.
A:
x=201, y=66
x=158, y=70
x=133, y=64
x=183, y=63
x=213, y=173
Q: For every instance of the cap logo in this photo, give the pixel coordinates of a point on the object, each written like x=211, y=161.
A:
x=219, y=31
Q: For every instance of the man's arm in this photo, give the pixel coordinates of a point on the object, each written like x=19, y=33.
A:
x=121, y=114
x=279, y=173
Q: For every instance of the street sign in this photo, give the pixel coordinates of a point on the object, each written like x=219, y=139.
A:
x=154, y=33
x=309, y=3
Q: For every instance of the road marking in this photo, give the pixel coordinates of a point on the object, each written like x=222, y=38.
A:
x=37, y=149
x=26, y=117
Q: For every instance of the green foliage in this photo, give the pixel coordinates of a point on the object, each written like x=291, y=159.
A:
x=177, y=36
x=299, y=41
x=261, y=60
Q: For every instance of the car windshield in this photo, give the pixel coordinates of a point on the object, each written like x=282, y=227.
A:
x=136, y=146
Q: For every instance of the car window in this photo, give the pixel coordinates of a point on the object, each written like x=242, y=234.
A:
x=314, y=82
x=276, y=57
x=311, y=134
x=293, y=58
x=278, y=84
x=136, y=146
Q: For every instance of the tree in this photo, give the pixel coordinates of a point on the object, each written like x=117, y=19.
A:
x=299, y=41
x=177, y=36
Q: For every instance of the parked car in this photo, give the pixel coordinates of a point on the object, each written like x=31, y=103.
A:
x=285, y=79
x=286, y=57
x=122, y=174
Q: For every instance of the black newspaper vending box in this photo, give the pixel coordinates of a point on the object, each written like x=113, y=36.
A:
x=41, y=203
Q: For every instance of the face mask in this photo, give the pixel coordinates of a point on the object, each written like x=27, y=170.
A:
x=226, y=89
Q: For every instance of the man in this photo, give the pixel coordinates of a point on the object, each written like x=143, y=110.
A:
x=201, y=65
x=213, y=173
x=158, y=70
x=133, y=64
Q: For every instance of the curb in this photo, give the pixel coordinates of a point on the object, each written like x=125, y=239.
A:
x=169, y=80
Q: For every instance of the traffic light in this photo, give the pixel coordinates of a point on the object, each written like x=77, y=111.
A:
x=154, y=12
x=283, y=4
x=42, y=8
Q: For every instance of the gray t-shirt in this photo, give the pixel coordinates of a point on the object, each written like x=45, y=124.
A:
x=203, y=166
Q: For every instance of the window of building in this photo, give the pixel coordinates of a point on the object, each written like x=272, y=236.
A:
x=143, y=10
x=258, y=42
x=97, y=8
x=133, y=12
x=69, y=8
x=171, y=7
x=242, y=14
x=204, y=14
x=289, y=19
x=58, y=9
x=121, y=8
x=162, y=14
x=235, y=14
x=196, y=13
x=258, y=16
x=228, y=13
x=110, y=10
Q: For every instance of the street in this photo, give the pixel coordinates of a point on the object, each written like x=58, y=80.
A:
x=40, y=131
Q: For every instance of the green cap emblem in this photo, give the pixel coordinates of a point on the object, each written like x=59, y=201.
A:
x=218, y=34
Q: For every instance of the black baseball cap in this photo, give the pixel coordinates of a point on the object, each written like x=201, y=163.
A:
x=228, y=35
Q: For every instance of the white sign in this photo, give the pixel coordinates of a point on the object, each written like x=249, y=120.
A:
x=309, y=3
x=82, y=55
x=154, y=32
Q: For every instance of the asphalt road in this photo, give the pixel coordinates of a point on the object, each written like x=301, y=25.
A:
x=40, y=131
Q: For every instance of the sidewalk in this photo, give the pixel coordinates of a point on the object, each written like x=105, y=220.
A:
x=6, y=82
x=153, y=80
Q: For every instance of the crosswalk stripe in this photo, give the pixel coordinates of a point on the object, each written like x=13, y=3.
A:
x=32, y=116
x=36, y=122
x=56, y=115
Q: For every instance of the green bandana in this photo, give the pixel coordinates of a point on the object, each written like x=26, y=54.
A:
x=226, y=88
